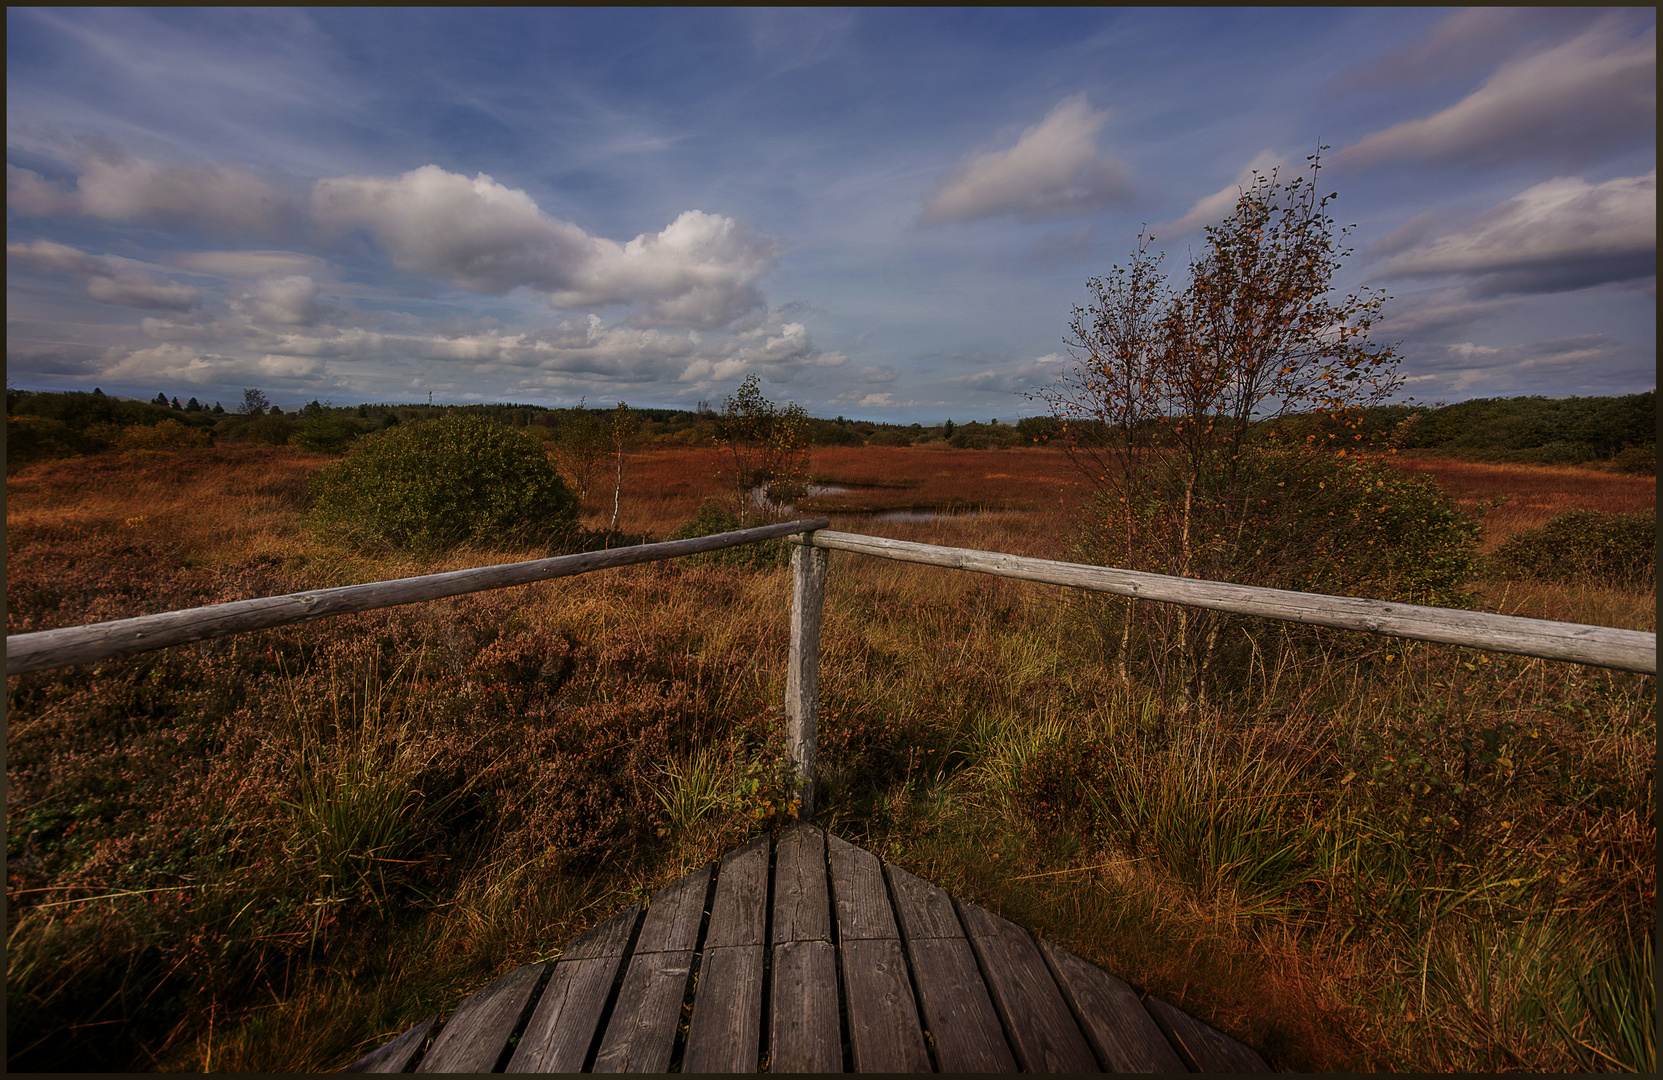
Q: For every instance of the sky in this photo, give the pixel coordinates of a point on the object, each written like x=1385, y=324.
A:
x=885, y=214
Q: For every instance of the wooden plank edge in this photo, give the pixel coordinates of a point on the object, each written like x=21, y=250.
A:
x=401, y=1053
x=1204, y=1048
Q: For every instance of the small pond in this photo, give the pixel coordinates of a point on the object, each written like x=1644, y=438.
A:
x=760, y=499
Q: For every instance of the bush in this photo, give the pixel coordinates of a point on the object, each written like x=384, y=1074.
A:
x=1319, y=523
x=323, y=434
x=431, y=485
x=1584, y=545
x=37, y=438
x=889, y=438
x=267, y=430
x=161, y=438
x=1637, y=460
x=714, y=517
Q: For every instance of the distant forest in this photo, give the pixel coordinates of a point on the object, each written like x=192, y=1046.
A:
x=1526, y=430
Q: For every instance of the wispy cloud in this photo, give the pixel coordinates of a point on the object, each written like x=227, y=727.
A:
x=1559, y=235
x=1054, y=171
x=1565, y=103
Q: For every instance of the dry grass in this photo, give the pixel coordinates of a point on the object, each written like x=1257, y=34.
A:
x=1509, y=499
x=538, y=722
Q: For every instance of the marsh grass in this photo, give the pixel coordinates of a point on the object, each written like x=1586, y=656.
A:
x=275, y=851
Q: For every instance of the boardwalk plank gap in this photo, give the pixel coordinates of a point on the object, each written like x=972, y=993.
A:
x=802, y=952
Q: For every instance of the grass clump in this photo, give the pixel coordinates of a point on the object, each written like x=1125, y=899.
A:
x=430, y=486
x=1583, y=545
x=715, y=517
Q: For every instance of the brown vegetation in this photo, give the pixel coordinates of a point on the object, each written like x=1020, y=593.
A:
x=274, y=851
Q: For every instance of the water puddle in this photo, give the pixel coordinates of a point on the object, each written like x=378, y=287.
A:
x=760, y=500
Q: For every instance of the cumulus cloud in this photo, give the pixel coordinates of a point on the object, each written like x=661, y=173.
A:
x=699, y=271
x=1556, y=236
x=1568, y=102
x=483, y=236
x=1216, y=207
x=109, y=280
x=575, y=356
x=475, y=233
x=291, y=300
x=118, y=187
x=1054, y=171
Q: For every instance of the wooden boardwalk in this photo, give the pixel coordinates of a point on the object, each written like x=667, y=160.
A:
x=833, y=962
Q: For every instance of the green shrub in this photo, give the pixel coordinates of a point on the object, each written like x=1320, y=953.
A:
x=714, y=517
x=163, y=437
x=431, y=485
x=1584, y=545
x=1637, y=460
x=1319, y=523
x=323, y=434
x=268, y=430
x=889, y=438
x=37, y=438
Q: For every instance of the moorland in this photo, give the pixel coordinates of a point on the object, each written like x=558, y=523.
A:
x=273, y=851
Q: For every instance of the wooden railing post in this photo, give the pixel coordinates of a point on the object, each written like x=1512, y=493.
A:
x=802, y=673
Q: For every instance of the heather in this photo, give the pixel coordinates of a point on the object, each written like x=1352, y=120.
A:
x=274, y=851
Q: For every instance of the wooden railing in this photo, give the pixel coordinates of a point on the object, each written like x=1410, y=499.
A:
x=99, y=641
x=1602, y=646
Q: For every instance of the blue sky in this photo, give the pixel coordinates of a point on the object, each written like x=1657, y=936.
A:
x=884, y=214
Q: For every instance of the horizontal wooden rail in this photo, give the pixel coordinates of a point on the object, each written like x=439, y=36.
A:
x=99, y=641
x=1602, y=646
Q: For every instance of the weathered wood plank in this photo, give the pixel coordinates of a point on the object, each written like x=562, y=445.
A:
x=1202, y=1047
x=396, y=1056
x=609, y=938
x=564, y=1024
x=725, y=1031
x=884, y=1032
x=738, y=914
x=121, y=637
x=925, y=911
x=860, y=896
x=475, y=1038
x=957, y=1010
x=1604, y=646
x=951, y=994
x=1125, y=1037
x=803, y=1030
x=801, y=908
x=641, y=1033
x=674, y=915
x=802, y=669
x=1037, y=1020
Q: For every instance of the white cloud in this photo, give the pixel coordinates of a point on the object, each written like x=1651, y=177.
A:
x=480, y=235
x=1053, y=171
x=291, y=300
x=1558, y=235
x=474, y=233
x=117, y=187
x=1216, y=207
x=109, y=280
x=1595, y=91
x=699, y=271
